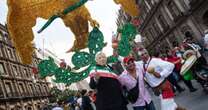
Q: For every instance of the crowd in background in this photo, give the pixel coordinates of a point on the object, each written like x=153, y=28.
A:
x=107, y=88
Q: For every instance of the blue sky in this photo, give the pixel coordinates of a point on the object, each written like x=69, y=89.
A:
x=59, y=39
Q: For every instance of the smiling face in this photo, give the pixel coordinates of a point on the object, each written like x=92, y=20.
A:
x=130, y=65
x=101, y=59
x=144, y=56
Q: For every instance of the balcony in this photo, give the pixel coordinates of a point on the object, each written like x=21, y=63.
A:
x=12, y=95
x=16, y=95
x=26, y=94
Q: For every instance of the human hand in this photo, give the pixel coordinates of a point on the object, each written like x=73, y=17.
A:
x=97, y=76
x=151, y=70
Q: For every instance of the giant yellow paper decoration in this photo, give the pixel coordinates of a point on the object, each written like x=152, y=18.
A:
x=129, y=6
x=22, y=17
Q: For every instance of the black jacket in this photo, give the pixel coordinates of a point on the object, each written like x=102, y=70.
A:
x=109, y=94
x=86, y=103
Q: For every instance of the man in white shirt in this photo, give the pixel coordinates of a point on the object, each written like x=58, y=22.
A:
x=162, y=69
x=156, y=72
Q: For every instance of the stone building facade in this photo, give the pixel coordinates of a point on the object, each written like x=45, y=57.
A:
x=164, y=22
x=18, y=90
x=122, y=18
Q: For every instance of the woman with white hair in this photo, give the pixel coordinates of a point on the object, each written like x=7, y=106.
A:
x=109, y=91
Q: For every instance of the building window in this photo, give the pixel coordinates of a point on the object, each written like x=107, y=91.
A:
x=1, y=50
x=2, y=70
x=8, y=87
x=10, y=53
x=1, y=92
x=6, y=37
x=187, y=2
x=31, y=88
x=144, y=12
x=29, y=108
x=162, y=22
x=36, y=62
x=148, y=36
x=175, y=12
x=156, y=28
x=38, y=89
x=1, y=36
x=153, y=1
x=152, y=33
x=21, y=88
x=25, y=73
x=147, y=5
x=46, y=89
x=15, y=69
x=150, y=3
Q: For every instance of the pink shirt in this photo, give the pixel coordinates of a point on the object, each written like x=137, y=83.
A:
x=130, y=82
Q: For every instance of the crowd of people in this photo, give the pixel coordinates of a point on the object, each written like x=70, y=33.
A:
x=161, y=72
x=81, y=100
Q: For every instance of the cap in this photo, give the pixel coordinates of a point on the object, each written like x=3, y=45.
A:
x=127, y=59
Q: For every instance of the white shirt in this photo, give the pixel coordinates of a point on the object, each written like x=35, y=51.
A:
x=79, y=101
x=164, y=68
x=206, y=38
x=206, y=41
x=57, y=108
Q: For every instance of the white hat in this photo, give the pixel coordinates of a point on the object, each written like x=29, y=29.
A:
x=188, y=52
x=138, y=38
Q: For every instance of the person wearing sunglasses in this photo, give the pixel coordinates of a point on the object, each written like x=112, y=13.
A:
x=132, y=75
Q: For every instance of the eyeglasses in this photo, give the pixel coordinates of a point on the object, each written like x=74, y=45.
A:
x=130, y=63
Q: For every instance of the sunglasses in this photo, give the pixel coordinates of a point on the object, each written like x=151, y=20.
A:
x=143, y=54
x=130, y=63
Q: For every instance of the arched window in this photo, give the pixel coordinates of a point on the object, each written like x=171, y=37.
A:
x=156, y=28
x=29, y=108
x=162, y=22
